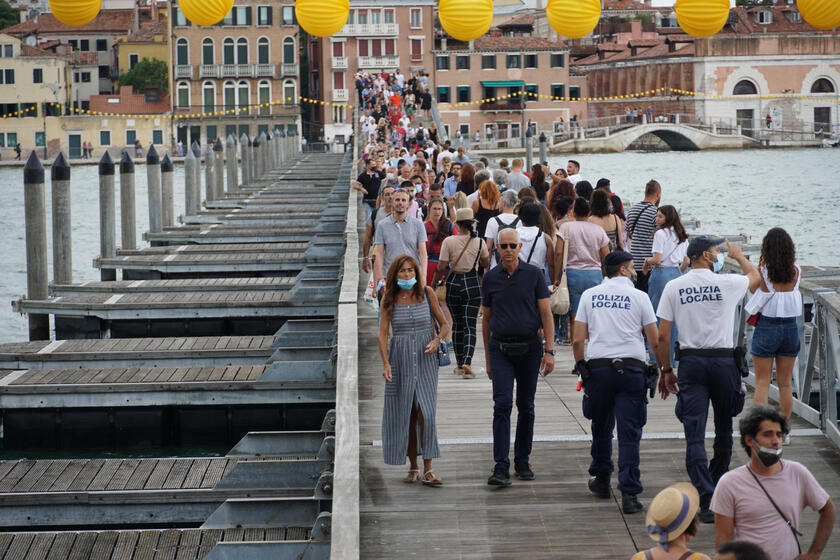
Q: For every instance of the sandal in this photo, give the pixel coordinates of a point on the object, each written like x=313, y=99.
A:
x=431, y=479
x=459, y=371
x=467, y=372
x=412, y=477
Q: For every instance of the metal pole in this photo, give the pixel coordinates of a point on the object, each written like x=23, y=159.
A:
x=61, y=231
x=153, y=180
x=529, y=149
x=209, y=178
x=167, y=191
x=232, y=165
x=219, y=169
x=245, y=147
x=35, y=215
x=191, y=177
x=256, y=159
x=128, y=218
x=107, y=215
x=544, y=148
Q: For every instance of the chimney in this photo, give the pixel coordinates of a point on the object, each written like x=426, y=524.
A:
x=636, y=30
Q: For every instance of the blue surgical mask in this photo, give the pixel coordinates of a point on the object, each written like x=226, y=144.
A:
x=717, y=266
x=417, y=189
x=407, y=284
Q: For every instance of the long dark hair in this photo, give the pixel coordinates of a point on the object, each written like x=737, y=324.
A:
x=600, y=204
x=672, y=219
x=616, y=205
x=778, y=254
x=467, y=173
x=391, y=287
x=444, y=226
x=537, y=176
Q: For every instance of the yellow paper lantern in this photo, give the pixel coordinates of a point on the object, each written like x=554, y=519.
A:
x=322, y=18
x=465, y=20
x=702, y=18
x=75, y=12
x=205, y=12
x=822, y=14
x=573, y=18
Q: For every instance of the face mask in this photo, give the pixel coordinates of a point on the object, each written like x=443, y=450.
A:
x=717, y=266
x=407, y=284
x=768, y=456
x=417, y=189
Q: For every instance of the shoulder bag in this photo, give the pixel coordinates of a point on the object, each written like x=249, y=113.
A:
x=559, y=300
x=796, y=533
x=440, y=289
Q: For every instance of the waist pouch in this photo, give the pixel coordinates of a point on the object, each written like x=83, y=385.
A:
x=513, y=347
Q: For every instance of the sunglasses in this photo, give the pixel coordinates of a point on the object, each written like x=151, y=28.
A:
x=508, y=245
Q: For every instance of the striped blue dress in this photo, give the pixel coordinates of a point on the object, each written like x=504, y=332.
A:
x=414, y=377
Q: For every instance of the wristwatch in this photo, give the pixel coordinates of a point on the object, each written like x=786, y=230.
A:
x=548, y=352
x=666, y=369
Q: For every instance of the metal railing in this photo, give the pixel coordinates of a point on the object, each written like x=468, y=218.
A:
x=442, y=135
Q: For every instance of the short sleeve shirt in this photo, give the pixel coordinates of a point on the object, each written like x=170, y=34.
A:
x=516, y=180
x=615, y=313
x=641, y=223
x=667, y=244
x=585, y=240
x=702, y=304
x=371, y=183
x=452, y=247
x=739, y=497
x=400, y=239
x=513, y=300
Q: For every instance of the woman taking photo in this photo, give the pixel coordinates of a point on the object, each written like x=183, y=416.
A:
x=669, y=260
x=463, y=254
x=486, y=206
x=602, y=216
x=779, y=303
x=410, y=369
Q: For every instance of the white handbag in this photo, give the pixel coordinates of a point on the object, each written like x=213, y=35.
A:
x=559, y=300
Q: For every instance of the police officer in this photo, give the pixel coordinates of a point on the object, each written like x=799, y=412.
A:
x=613, y=316
x=702, y=303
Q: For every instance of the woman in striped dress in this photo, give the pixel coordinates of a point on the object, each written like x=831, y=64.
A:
x=410, y=368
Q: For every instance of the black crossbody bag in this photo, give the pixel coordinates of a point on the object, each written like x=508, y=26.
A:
x=796, y=533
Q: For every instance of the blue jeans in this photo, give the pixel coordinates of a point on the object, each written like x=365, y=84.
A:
x=656, y=284
x=775, y=336
x=524, y=370
x=368, y=210
x=578, y=282
x=611, y=398
x=701, y=380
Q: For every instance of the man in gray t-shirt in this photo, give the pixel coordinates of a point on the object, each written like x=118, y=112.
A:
x=399, y=234
x=516, y=179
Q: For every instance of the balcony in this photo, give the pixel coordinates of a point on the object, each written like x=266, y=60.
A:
x=184, y=71
x=265, y=70
x=339, y=62
x=290, y=69
x=369, y=30
x=208, y=71
x=341, y=95
x=387, y=61
x=238, y=70
x=504, y=105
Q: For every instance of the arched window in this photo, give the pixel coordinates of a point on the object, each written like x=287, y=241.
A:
x=182, y=52
x=288, y=50
x=207, y=51
x=230, y=96
x=242, y=50
x=289, y=92
x=244, y=93
x=823, y=85
x=228, y=52
x=209, y=96
x=265, y=97
x=263, y=51
x=183, y=95
x=745, y=87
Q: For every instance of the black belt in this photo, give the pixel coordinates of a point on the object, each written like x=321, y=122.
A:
x=617, y=363
x=514, y=339
x=708, y=352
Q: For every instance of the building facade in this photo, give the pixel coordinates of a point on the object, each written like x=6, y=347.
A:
x=239, y=76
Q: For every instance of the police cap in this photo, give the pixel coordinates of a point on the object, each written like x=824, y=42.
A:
x=702, y=243
x=617, y=258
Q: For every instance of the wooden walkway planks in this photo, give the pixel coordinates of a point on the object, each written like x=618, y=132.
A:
x=174, y=285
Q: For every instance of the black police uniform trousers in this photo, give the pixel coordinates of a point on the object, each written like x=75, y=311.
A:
x=616, y=399
x=702, y=379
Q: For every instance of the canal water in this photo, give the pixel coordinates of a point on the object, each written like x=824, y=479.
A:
x=730, y=192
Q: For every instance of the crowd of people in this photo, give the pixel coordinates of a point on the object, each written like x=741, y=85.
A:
x=451, y=238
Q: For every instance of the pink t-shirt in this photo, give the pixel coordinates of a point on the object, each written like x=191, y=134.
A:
x=739, y=496
x=585, y=240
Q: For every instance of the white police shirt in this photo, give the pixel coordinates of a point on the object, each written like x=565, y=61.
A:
x=615, y=313
x=702, y=304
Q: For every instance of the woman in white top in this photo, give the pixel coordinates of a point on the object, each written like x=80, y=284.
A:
x=779, y=303
x=669, y=260
x=537, y=248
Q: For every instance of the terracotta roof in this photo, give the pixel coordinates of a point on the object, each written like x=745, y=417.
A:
x=742, y=21
x=499, y=42
x=117, y=21
x=79, y=58
x=643, y=43
x=627, y=5
x=84, y=58
x=660, y=50
x=29, y=50
x=146, y=34
x=129, y=103
x=520, y=20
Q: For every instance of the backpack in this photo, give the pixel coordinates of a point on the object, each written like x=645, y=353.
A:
x=502, y=226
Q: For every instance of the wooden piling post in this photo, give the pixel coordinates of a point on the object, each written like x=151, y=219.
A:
x=543, y=148
x=245, y=148
x=153, y=179
x=281, y=148
x=62, y=226
x=263, y=153
x=232, y=165
x=128, y=215
x=269, y=151
x=35, y=216
x=278, y=147
x=209, y=174
x=256, y=157
x=191, y=180
x=107, y=215
x=219, y=169
x=167, y=191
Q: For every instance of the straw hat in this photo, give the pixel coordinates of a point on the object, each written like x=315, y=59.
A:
x=464, y=215
x=671, y=512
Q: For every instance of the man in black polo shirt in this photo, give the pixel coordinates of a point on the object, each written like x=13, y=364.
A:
x=514, y=306
x=368, y=182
